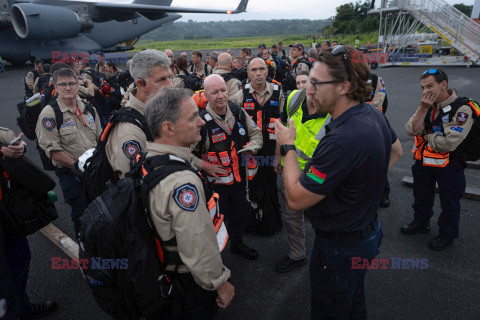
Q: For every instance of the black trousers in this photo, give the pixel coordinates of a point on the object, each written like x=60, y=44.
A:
x=235, y=207
x=190, y=301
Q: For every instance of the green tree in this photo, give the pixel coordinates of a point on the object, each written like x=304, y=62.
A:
x=467, y=10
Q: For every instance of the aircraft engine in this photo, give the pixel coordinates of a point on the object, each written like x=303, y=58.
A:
x=44, y=22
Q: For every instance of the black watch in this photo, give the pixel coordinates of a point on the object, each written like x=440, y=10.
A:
x=284, y=148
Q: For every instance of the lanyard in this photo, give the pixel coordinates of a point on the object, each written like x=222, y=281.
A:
x=264, y=98
x=434, y=111
x=79, y=117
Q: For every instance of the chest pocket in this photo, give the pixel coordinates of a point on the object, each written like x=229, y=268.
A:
x=68, y=134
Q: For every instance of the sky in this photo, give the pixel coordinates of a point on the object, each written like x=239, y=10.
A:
x=269, y=9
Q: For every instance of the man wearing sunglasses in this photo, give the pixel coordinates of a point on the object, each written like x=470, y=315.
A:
x=342, y=184
x=440, y=125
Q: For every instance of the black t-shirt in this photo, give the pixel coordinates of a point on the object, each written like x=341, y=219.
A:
x=349, y=166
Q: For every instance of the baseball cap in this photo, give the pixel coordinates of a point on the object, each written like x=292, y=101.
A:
x=262, y=45
x=297, y=45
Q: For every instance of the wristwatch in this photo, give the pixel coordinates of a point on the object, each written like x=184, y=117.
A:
x=284, y=148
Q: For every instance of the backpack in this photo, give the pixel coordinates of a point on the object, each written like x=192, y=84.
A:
x=97, y=77
x=44, y=81
x=47, y=95
x=97, y=171
x=118, y=226
x=471, y=145
x=25, y=206
x=46, y=161
x=193, y=82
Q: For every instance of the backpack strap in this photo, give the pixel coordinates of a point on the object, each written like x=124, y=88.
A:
x=296, y=101
x=130, y=115
x=58, y=114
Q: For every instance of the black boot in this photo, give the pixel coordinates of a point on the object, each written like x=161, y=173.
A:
x=238, y=247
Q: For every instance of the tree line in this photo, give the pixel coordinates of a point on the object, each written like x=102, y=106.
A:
x=241, y=28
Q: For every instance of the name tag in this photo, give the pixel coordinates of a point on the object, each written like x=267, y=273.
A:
x=249, y=106
x=219, y=137
x=68, y=124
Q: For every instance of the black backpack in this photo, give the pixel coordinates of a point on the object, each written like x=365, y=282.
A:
x=471, y=145
x=193, y=82
x=44, y=81
x=118, y=226
x=97, y=169
x=97, y=77
x=25, y=206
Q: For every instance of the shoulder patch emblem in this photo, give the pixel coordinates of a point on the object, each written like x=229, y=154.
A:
x=131, y=148
x=90, y=118
x=49, y=123
x=462, y=118
x=186, y=197
x=445, y=119
x=382, y=82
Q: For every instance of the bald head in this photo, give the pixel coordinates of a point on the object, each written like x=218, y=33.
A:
x=211, y=81
x=225, y=61
x=216, y=93
x=257, y=61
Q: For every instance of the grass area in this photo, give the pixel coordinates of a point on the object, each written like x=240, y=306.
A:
x=252, y=42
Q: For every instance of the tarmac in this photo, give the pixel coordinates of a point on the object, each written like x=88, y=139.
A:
x=446, y=289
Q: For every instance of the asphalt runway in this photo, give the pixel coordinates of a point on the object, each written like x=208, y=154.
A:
x=447, y=289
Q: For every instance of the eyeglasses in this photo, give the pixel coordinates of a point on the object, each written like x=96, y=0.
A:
x=340, y=50
x=435, y=71
x=64, y=85
x=314, y=84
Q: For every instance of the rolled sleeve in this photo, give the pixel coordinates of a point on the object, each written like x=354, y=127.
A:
x=329, y=166
x=6, y=135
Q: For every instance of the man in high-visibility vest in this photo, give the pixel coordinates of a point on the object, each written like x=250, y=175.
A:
x=357, y=43
x=309, y=125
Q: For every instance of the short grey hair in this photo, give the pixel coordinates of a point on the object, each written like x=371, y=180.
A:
x=214, y=55
x=165, y=106
x=144, y=61
x=312, y=53
x=64, y=73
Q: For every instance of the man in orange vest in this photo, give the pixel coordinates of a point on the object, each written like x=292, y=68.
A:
x=440, y=125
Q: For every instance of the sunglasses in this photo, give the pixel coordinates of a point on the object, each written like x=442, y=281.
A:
x=435, y=71
x=340, y=50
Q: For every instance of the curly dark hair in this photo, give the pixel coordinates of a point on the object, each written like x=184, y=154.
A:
x=360, y=89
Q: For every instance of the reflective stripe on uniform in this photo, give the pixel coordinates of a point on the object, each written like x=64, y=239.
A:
x=222, y=180
x=435, y=162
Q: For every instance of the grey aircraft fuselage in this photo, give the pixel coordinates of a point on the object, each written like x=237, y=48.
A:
x=40, y=26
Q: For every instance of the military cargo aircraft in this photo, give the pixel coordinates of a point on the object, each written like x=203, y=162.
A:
x=44, y=26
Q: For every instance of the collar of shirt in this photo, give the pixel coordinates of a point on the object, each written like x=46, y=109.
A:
x=134, y=103
x=226, y=124
x=359, y=108
x=451, y=99
x=64, y=108
x=219, y=71
x=268, y=90
x=183, y=153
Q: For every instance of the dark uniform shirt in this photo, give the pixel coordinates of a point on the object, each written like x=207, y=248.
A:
x=349, y=166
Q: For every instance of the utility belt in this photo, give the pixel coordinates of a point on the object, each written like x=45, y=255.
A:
x=360, y=235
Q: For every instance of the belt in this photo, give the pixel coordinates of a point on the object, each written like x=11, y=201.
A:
x=348, y=236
